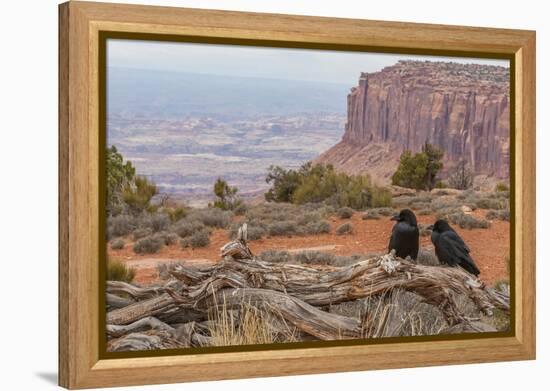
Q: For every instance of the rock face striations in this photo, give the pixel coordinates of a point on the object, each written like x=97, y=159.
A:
x=463, y=108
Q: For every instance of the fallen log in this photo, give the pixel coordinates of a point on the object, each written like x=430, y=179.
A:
x=294, y=294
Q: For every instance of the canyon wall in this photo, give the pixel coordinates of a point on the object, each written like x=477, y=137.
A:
x=462, y=108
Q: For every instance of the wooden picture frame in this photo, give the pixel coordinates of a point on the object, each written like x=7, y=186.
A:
x=80, y=27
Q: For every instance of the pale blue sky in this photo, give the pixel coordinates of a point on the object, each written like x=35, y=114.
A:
x=276, y=63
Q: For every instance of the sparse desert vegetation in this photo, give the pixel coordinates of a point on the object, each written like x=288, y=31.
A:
x=146, y=226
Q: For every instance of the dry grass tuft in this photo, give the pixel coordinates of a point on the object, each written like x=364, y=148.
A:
x=247, y=326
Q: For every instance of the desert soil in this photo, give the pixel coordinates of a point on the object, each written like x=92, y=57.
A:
x=489, y=247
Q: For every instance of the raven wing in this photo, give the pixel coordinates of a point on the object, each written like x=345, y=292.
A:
x=455, y=252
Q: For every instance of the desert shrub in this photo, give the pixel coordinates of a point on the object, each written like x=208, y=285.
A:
x=424, y=212
x=344, y=229
x=197, y=239
x=156, y=222
x=286, y=219
x=316, y=228
x=117, y=244
x=185, y=228
x=385, y=211
x=345, y=212
x=314, y=257
x=118, y=271
x=401, y=201
x=255, y=232
x=371, y=214
x=141, y=233
x=121, y=225
x=211, y=217
x=148, y=245
x=420, y=199
x=241, y=209
x=308, y=217
x=503, y=214
x=176, y=213
x=441, y=185
x=168, y=237
x=275, y=256
x=280, y=228
x=491, y=203
x=427, y=257
x=308, y=257
x=467, y=221
x=420, y=205
x=501, y=187
x=461, y=176
x=444, y=203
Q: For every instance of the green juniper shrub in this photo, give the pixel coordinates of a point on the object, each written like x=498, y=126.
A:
x=226, y=196
x=148, y=245
x=344, y=229
x=118, y=175
x=138, y=195
x=319, y=183
x=419, y=171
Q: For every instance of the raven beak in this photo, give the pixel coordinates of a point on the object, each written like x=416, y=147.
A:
x=430, y=227
x=395, y=218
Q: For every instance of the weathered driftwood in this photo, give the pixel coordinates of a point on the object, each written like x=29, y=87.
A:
x=296, y=294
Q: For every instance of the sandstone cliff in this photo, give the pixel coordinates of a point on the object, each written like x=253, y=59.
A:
x=463, y=108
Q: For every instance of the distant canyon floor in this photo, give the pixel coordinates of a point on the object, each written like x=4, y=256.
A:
x=490, y=247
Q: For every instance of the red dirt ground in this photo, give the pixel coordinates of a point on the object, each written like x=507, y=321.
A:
x=490, y=247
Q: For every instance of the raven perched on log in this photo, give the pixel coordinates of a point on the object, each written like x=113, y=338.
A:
x=404, y=235
x=450, y=248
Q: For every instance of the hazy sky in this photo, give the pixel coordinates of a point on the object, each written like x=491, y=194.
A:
x=276, y=63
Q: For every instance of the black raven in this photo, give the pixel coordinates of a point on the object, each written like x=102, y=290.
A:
x=404, y=235
x=450, y=248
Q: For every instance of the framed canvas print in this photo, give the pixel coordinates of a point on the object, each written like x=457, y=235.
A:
x=248, y=195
